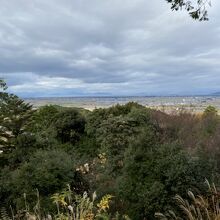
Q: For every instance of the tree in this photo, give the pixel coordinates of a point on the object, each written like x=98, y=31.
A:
x=154, y=173
x=14, y=117
x=47, y=170
x=3, y=134
x=210, y=110
x=117, y=132
x=43, y=118
x=210, y=120
x=3, y=84
x=197, y=8
x=69, y=126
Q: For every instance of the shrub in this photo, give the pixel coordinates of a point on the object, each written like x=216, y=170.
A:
x=47, y=171
x=154, y=174
x=69, y=125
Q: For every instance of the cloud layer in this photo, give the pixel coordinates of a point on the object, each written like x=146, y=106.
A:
x=81, y=47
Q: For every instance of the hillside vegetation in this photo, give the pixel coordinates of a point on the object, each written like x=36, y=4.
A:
x=67, y=163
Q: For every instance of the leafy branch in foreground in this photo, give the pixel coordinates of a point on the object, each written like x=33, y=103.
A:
x=197, y=8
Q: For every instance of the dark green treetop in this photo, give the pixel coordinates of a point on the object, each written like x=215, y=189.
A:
x=14, y=116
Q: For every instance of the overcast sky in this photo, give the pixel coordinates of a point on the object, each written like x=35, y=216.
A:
x=107, y=47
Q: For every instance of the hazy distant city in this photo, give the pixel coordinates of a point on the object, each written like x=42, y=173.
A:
x=190, y=103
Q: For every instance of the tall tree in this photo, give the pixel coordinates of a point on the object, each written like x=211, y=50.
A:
x=14, y=115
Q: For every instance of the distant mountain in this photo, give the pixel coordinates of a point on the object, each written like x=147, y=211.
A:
x=216, y=94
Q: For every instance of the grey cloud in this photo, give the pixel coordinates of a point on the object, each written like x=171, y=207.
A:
x=107, y=47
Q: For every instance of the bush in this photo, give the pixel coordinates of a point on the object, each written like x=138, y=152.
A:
x=154, y=174
x=47, y=171
x=69, y=125
x=43, y=118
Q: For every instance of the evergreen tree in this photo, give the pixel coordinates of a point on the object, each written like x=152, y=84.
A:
x=14, y=117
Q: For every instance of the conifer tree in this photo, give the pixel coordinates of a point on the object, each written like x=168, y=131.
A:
x=14, y=117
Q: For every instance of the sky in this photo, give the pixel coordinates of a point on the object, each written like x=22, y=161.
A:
x=107, y=48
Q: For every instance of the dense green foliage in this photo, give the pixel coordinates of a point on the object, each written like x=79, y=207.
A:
x=141, y=156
